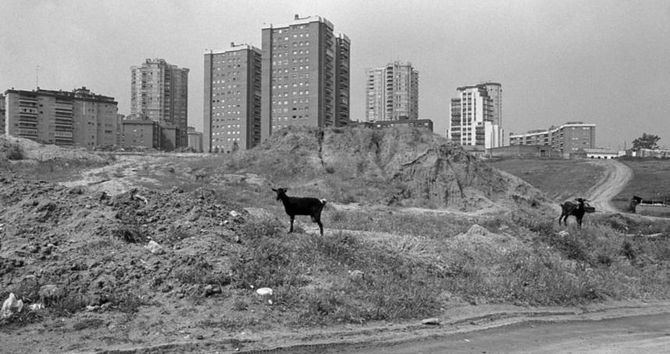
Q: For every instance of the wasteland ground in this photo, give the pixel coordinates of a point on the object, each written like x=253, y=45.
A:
x=164, y=251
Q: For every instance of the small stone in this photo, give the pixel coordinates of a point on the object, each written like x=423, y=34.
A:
x=264, y=291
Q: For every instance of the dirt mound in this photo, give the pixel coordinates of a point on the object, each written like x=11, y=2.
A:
x=402, y=166
x=13, y=148
x=97, y=250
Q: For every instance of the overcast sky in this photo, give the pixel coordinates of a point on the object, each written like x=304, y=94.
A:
x=602, y=62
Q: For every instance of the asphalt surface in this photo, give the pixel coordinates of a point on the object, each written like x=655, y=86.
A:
x=637, y=334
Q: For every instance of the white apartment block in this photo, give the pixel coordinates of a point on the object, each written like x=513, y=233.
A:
x=392, y=93
x=476, y=116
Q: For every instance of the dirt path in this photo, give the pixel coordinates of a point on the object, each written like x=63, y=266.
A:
x=615, y=178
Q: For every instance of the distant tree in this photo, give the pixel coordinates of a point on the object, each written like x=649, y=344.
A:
x=646, y=141
x=236, y=146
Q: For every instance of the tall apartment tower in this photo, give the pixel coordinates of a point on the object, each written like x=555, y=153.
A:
x=232, y=109
x=77, y=118
x=342, y=75
x=392, y=93
x=476, y=116
x=305, y=79
x=159, y=91
x=2, y=114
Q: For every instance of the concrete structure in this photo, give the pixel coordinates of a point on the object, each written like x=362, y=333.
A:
x=568, y=138
x=2, y=114
x=476, y=116
x=77, y=118
x=160, y=91
x=416, y=123
x=301, y=62
x=232, y=109
x=604, y=154
x=195, y=140
x=392, y=93
x=648, y=153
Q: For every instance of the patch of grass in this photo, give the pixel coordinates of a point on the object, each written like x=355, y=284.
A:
x=200, y=272
x=649, y=180
x=550, y=176
x=267, y=259
x=67, y=305
x=127, y=302
x=427, y=224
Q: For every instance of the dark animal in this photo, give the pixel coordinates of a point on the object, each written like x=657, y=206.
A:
x=570, y=208
x=633, y=203
x=301, y=206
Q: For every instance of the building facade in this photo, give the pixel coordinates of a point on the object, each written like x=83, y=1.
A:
x=195, y=140
x=2, y=114
x=476, y=116
x=568, y=138
x=342, y=76
x=301, y=62
x=77, y=118
x=392, y=93
x=232, y=109
x=412, y=123
x=160, y=91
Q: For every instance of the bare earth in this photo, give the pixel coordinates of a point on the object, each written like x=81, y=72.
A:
x=615, y=178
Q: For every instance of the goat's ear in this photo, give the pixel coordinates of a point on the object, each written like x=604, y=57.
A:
x=274, y=190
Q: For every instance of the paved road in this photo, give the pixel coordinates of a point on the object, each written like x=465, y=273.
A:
x=616, y=176
x=640, y=334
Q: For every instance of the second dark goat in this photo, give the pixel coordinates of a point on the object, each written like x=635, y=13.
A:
x=301, y=206
x=570, y=208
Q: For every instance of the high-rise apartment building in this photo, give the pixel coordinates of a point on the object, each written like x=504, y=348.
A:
x=305, y=75
x=392, y=93
x=566, y=138
x=232, y=109
x=476, y=116
x=2, y=114
x=159, y=91
x=342, y=76
x=78, y=118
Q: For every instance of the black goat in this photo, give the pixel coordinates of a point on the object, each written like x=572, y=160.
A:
x=633, y=203
x=301, y=206
x=570, y=208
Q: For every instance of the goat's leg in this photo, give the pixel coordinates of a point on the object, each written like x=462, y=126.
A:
x=318, y=221
x=292, y=218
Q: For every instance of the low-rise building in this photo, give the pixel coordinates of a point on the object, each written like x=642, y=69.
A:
x=568, y=138
x=194, y=140
x=139, y=132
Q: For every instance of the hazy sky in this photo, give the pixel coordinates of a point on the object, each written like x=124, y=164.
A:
x=602, y=62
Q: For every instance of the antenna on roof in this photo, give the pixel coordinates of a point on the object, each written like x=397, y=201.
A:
x=37, y=76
